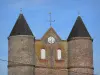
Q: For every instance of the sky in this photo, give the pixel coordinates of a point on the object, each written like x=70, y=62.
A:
x=36, y=12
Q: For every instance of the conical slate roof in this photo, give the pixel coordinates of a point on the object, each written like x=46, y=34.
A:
x=79, y=29
x=21, y=27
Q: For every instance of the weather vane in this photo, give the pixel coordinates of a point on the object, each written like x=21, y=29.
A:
x=51, y=19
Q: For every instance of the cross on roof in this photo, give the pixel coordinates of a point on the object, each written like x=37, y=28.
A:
x=51, y=19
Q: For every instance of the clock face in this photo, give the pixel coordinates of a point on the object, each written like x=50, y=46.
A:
x=51, y=40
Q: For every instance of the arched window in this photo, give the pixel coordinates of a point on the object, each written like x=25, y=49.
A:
x=59, y=54
x=43, y=54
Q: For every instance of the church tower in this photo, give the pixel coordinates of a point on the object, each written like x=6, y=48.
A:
x=80, y=51
x=21, y=53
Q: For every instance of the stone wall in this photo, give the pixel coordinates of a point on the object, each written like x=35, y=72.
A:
x=80, y=56
x=48, y=71
x=21, y=54
x=51, y=62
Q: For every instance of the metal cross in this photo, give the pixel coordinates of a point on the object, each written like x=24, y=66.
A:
x=51, y=19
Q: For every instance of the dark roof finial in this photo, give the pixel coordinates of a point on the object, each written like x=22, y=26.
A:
x=21, y=10
x=78, y=13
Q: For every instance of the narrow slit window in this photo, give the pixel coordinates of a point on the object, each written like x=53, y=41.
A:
x=43, y=54
x=59, y=54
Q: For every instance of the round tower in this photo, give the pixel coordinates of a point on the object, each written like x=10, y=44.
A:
x=80, y=51
x=21, y=55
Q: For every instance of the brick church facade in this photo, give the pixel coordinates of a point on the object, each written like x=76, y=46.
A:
x=49, y=55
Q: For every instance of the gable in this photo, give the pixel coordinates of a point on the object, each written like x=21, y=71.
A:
x=50, y=33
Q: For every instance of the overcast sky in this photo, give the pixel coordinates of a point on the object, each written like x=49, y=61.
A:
x=64, y=12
